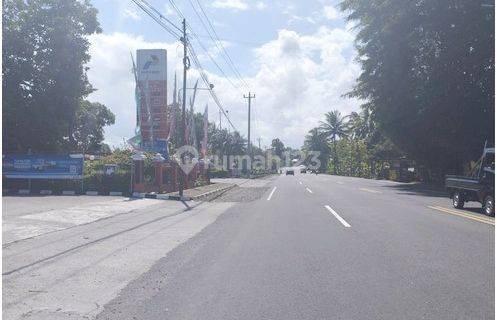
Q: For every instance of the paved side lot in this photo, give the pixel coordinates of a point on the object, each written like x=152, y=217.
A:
x=82, y=251
x=29, y=216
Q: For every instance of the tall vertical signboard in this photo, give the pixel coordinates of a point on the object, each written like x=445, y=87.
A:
x=151, y=65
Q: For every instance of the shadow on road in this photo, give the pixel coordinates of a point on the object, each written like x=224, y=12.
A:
x=419, y=189
x=476, y=209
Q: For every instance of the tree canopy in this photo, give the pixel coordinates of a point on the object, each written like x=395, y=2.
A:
x=277, y=147
x=45, y=49
x=428, y=75
x=88, y=132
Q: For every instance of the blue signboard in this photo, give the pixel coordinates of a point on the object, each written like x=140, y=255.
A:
x=160, y=146
x=43, y=166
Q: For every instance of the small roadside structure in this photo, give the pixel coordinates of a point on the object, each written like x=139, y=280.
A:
x=19, y=171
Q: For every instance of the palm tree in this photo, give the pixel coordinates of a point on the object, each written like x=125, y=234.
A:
x=358, y=133
x=334, y=127
x=366, y=130
x=315, y=141
x=361, y=124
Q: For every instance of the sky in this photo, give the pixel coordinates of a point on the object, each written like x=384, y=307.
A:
x=297, y=56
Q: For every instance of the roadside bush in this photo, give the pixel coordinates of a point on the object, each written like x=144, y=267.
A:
x=96, y=180
x=201, y=181
x=218, y=174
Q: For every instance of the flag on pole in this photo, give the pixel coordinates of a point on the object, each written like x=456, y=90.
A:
x=136, y=141
x=190, y=127
x=172, y=124
x=206, y=127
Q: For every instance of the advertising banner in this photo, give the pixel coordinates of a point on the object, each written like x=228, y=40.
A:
x=43, y=166
x=152, y=85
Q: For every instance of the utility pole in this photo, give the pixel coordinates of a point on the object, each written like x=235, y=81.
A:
x=249, y=148
x=186, y=65
x=220, y=113
x=259, y=140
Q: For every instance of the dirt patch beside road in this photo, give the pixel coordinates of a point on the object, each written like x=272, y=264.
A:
x=240, y=194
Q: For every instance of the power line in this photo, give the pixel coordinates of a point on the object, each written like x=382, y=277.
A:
x=205, y=79
x=197, y=38
x=148, y=8
x=218, y=43
x=178, y=11
x=144, y=6
x=214, y=62
x=245, y=43
x=161, y=16
x=219, y=40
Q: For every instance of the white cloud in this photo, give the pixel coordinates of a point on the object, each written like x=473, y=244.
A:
x=110, y=73
x=298, y=78
x=230, y=4
x=302, y=77
x=331, y=13
x=260, y=5
x=132, y=14
x=169, y=11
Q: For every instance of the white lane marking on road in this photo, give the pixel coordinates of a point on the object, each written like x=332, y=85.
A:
x=271, y=194
x=369, y=190
x=339, y=182
x=300, y=182
x=333, y=212
x=308, y=190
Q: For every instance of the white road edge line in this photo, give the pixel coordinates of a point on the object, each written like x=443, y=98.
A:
x=333, y=212
x=309, y=190
x=271, y=194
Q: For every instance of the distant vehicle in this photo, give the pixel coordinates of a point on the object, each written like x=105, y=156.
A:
x=290, y=172
x=303, y=170
x=478, y=186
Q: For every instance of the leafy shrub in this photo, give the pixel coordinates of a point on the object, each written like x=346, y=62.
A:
x=218, y=174
x=201, y=181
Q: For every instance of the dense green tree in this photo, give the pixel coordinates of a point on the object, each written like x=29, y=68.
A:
x=364, y=131
x=237, y=144
x=218, y=141
x=428, y=75
x=315, y=141
x=334, y=127
x=277, y=147
x=362, y=149
x=45, y=49
x=224, y=143
x=88, y=131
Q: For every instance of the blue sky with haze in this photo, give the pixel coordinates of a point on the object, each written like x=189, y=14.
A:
x=297, y=56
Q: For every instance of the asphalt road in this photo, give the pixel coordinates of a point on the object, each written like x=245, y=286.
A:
x=66, y=257
x=325, y=247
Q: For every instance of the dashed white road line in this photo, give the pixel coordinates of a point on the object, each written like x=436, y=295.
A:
x=333, y=212
x=300, y=182
x=271, y=194
x=308, y=190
